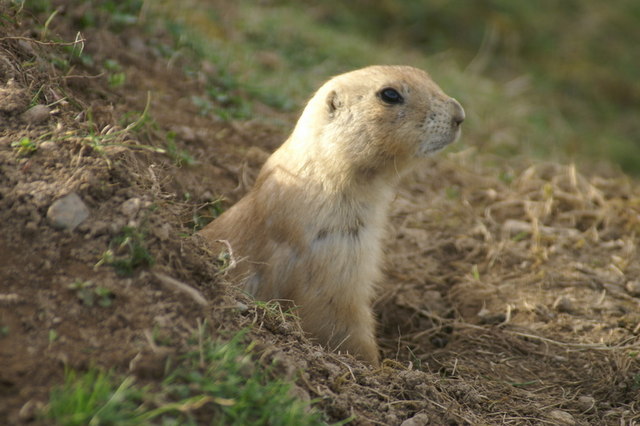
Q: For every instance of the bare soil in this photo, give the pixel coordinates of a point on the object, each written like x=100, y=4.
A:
x=512, y=290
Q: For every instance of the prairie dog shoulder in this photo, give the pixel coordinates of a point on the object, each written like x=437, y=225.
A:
x=311, y=227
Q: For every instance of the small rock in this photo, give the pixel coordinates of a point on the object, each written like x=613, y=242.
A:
x=36, y=114
x=586, y=403
x=633, y=288
x=561, y=417
x=564, y=304
x=419, y=419
x=67, y=212
x=131, y=207
x=242, y=307
x=48, y=146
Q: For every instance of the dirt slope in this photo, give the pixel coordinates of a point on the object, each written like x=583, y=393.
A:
x=512, y=292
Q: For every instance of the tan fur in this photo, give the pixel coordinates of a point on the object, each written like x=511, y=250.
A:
x=311, y=228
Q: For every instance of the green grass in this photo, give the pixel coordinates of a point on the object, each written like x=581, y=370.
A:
x=204, y=214
x=214, y=383
x=91, y=294
x=253, y=56
x=95, y=398
x=127, y=252
x=24, y=146
x=179, y=156
x=550, y=80
x=245, y=392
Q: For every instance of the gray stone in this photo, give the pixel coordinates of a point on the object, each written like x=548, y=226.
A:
x=586, y=403
x=131, y=207
x=36, y=114
x=67, y=212
x=48, y=146
x=242, y=307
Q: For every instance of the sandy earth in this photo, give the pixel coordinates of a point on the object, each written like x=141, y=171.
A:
x=512, y=293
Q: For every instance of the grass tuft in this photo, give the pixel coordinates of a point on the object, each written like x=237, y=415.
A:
x=94, y=398
x=24, y=147
x=215, y=382
x=91, y=294
x=127, y=252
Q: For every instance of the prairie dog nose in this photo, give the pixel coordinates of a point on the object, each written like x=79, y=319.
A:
x=457, y=115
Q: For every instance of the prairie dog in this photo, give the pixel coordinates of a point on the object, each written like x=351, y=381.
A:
x=310, y=230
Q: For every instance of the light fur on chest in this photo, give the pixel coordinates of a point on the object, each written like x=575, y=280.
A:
x=326, y=247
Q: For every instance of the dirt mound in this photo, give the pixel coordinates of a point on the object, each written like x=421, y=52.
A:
x=512, y=292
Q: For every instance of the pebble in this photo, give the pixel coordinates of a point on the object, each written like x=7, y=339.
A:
x=131, y=207
x=242, y=307
x=36, y=114
x=586, y=403
x=562, y=417
x=419, y=419
x=633, y=288
x=67, y=212
x=48, y=146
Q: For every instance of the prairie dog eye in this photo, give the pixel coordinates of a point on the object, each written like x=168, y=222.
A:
x=391, y=96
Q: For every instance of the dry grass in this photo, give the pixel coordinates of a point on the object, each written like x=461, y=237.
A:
x=511, y=282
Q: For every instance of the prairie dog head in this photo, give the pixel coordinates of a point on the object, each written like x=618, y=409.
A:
x=378, y=118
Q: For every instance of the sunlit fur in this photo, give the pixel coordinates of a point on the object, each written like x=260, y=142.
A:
x=310, y=230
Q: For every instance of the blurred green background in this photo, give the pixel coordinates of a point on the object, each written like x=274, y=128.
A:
x=550, y=79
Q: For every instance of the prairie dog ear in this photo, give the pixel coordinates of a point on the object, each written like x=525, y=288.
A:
x=333, y=103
